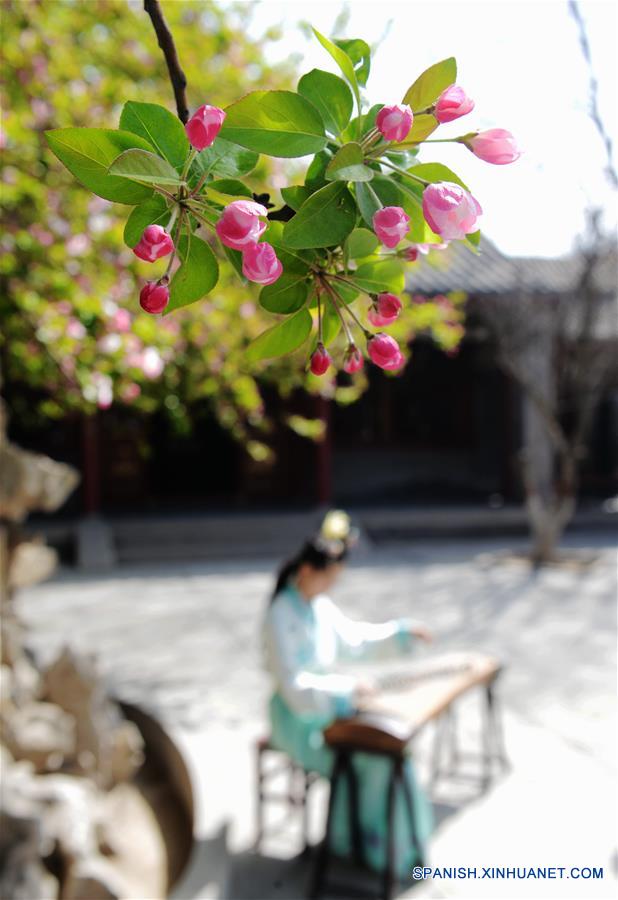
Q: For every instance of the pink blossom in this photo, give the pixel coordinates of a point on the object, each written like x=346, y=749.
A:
x=204, y=126
x=452, y=103
x=154, y=243
x=102, y=389
x=154, y=297
x=384, y=351
x=110, y=343
x=246, y=310
x=260, y=263
x=121, y=321
x=75, y=329
x=450, y=210
x=353, y=360
x=496, y=146
x=391, y=225
x=152, y=364
x=77, y=245
x=240, y=224
x=385, y=310
x=131, y=392
x=320, y=360
x=394, y=122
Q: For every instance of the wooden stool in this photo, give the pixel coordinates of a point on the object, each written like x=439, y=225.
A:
x=296, y=796
x=381, y=736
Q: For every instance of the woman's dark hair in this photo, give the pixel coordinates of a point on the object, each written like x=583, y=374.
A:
x=318, y=552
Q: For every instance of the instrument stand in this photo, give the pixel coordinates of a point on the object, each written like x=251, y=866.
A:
x=344, y=768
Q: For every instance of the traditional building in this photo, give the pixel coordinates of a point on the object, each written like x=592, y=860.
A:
x=446, y=431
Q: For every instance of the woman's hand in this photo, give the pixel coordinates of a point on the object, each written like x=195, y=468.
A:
x=365, y=688
x=421, y=632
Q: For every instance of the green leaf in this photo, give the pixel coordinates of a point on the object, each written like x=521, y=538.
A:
x=278, y=123
x=88, y=153
x=295, y=262
x=287, y=295
x=226, y=190
x=368, y=202
x=235, y=258
x=360, y=243
x=379, y=275
x=315, y=176
x=428, y=86
x=325, y=219
x=197, y=275
x=146, y=168
x=331, y=97
x=223, y=158
x=423, y=125
x=152, y=212
x=348, y=165
x=282, y=338
x=343, y=61
x=474, y=240
x=397, y=191
x=361, y=124
x=436, y=172
x=360, y=54
x=295, y=195
x=331, y=324
x=230, y=186
x=163, y=130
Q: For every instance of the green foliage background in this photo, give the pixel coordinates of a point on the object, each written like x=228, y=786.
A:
x=65, y=270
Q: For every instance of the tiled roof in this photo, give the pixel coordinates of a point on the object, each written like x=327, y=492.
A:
x=459, y=269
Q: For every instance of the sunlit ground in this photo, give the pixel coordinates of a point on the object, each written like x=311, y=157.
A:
x=183, y=641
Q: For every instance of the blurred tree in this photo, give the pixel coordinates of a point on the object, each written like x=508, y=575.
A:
x=561, y=350
x=72, y=329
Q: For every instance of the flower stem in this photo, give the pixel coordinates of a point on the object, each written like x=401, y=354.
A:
x=351, y=311
x=333, y=296
x=319, y=315
x=401, y=171
x=188, y=162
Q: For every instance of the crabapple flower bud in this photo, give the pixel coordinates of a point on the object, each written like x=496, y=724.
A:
x=320, y=360
x=496, y=146
x=154, y=297
x=384, y=351
x=260, y=263
x=394, y=122
x=353, y=360
x=384, y=310
x=452, y=103
x=154, y=243
x=450, y=210
x=204, y=126
x=240, y=224
x=390, y=225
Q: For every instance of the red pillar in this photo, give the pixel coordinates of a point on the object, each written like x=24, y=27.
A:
x=91, y=470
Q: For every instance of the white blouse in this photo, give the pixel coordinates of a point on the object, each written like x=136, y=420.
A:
x=304, y=640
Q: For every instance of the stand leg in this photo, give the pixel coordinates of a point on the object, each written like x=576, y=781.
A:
x=306, y=783
x=389, y=871
x=322, y=859
x=437, y=750
x=407, y=793
x=259, y=809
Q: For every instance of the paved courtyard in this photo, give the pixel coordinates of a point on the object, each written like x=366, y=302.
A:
x=184, y=642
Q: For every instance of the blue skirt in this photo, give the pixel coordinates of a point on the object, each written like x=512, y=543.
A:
x=302, y=739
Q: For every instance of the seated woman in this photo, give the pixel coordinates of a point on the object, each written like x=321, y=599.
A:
x=305, y=635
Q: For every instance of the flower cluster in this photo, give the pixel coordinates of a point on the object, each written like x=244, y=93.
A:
x=240, y=228
x=367, y=205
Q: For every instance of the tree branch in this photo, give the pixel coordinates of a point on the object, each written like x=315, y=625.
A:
x=166, y=43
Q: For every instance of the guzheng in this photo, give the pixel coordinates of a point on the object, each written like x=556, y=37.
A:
x=409, y=699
